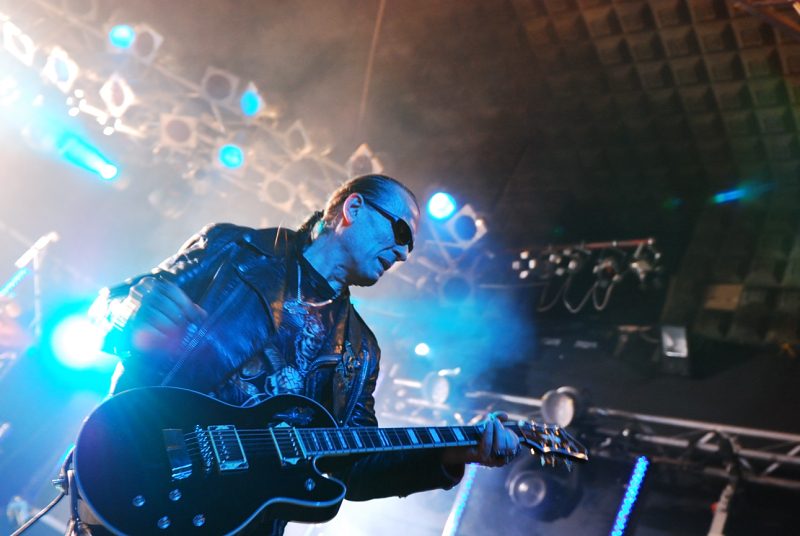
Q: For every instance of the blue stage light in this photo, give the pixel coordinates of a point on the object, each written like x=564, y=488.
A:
x=76, y=343
x=231, y=156
x=122, y=36
x=422, y=349
x=11, y=283
x=80, y=153
x=441, y=206
x=631, y=494
x=250, y=103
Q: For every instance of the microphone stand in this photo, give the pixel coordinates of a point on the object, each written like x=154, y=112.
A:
x=34, y=257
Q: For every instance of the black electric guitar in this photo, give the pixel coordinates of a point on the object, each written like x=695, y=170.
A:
x=171, y=461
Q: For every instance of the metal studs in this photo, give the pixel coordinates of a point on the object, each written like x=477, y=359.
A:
x=199, y=520
x=310, y=484
x=138, y=501
x=174, y=495
x=163, y=522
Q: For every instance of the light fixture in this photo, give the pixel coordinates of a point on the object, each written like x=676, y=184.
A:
x=363, y=162
x=631, y=494
x=465, y=227
x=278, y=192
x=543, y=493
x=610, y=267
x=230, y=156
x=61, y=70
x=645, y=266
x=575, y=259
x=117, y=95
x=121, y=36
x=436, y=387
x=251, y=103
x=441, y=205
x=146, y=43
x=562, y=406
x=18, y=44
x=454, y=288
x=297, y=142
x=420, y=349
x=218, y=86
x=178, y=131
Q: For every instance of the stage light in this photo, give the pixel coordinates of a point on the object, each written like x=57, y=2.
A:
x=231, y=156
x=465, y=227
x=18, y=44
x=11, y=283
x=146, y=43
x=527, y=489
x=76, y=342
x=631, y=494
x=562, y=406
x=420, y=349
x=122, y=36
x=441, y=205
x=278, y=192
x=436, y=387
x=61, y=70
x=609, y=268
x=363, y=162
x=117, y=95
x=178, y=131
x=218, y=86
x=644, y=265
x=251, y=102
x=80, y=153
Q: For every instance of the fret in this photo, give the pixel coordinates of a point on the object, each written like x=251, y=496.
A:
x=384, y=440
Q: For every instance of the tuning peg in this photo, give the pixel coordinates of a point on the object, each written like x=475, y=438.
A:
x=568, y=463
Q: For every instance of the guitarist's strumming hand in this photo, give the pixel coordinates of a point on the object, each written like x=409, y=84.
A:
x=498, y=447
x=159, y=314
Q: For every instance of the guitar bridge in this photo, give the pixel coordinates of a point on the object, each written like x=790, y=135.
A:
x=178, y=455
x=227, y=448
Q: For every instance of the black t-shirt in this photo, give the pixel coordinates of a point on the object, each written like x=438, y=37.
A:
x=300, y=348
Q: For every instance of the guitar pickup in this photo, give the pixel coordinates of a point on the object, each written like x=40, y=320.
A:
x=178, y=455
x=227, y=448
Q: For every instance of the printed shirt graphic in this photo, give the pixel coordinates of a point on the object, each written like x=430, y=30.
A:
x=302, y=344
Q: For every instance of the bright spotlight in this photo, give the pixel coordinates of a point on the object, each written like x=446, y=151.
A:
x=231, y=156
x=251, y=102
x=76, y=344
x=441, y=206
x=80, y=153
x=122, y=36
x=422, y=349
x=108, y=171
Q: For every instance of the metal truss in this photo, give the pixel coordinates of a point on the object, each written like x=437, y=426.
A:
x=272, y=147
x=761, y=457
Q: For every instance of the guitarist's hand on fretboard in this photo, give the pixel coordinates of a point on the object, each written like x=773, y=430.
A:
x=498, y=446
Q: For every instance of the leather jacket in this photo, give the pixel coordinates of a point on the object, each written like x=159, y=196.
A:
x=239, y=275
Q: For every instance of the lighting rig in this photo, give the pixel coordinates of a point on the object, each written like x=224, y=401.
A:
x=734, y=455
x=117, y=74
x=610, y=264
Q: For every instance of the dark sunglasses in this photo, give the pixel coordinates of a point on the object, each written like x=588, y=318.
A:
x=402, y=230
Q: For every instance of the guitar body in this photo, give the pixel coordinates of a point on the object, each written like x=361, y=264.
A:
x=127, y=474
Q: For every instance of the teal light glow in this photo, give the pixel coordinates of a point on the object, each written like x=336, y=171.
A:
x=441, y=206
x=122, y=36
x=631, y=494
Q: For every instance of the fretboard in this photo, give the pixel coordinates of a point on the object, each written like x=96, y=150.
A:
x=310, y=442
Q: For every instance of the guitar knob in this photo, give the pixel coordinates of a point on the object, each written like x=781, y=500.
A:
x=163, y=522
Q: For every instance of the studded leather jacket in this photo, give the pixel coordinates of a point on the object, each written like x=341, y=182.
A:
x=239, y=276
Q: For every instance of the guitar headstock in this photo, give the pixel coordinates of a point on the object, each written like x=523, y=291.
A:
x=551, y=442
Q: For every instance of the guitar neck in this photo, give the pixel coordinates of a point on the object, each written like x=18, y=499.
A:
x=338, y=441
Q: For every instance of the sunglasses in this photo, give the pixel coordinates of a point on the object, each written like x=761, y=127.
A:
x=402, y=231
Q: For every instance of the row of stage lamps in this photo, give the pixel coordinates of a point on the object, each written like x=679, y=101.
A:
x=610, y=263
